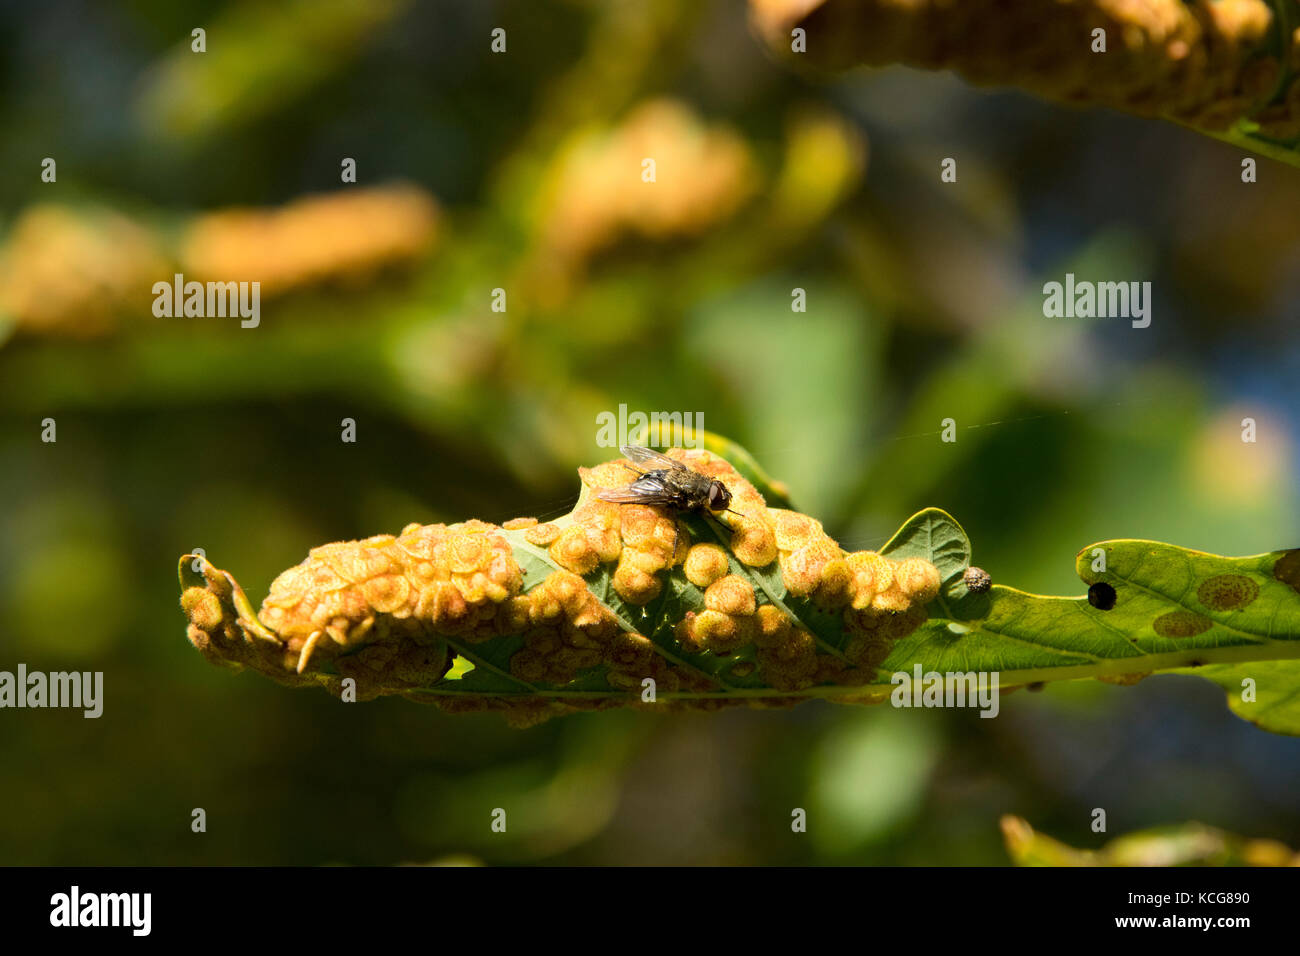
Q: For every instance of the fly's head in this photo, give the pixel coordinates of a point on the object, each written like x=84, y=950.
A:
x=719, y=497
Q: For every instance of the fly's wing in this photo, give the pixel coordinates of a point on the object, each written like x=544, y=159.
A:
x=649, y=459
x=649, y=489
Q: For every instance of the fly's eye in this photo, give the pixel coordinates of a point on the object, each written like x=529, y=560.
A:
x=719, y=497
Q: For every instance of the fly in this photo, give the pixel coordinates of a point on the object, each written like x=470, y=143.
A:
x=666, y=481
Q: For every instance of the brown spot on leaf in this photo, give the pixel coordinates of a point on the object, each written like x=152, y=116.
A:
x=1287, y=569
x=1227, y=592
x=1181, y=624
x=1123, y=680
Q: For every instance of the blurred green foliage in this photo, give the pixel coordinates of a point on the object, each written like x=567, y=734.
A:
x=923, y=304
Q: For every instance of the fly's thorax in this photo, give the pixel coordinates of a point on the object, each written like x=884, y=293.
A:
x=691, y=485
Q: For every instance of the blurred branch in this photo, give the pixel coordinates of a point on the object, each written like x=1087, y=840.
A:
x=1225, y=68
x=1186, y=844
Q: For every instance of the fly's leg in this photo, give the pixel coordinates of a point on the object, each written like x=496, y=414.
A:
x=677, y=538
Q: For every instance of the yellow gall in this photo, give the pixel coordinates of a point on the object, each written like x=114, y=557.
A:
x=894, y=599
x=201, y=641
x=610, y=474
x=573, y=551
x=705, y=563
x=773, y=626
x=590, y=637
x=715, y=630
x=871, y=573
x=650, y=562
x=802, y=569
x=634, y=585
x=543, y=606
x=361, y=563
x=754, y=544
x=443, y=604
x=422, y=573
x=668, y=542
x=596, y=513
x=419, y=541
x=505, y=573
x=512, y=615
x=746, y=629
x=388, y=593
x=918, y=579
x=520, y=524
x=835, y=588
x=469, y=552
x=791, y=529
x=730, y=595
x=569, y=590
x=640, y=525
x=202, y=607
x=542, y=535
x=684, y=631
x=606, y=543
x=310, y=575
x=594, y=621
x=478, y=587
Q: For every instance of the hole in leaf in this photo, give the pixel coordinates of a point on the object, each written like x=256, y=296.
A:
x=1102, y=596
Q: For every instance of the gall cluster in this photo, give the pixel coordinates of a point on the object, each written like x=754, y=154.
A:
x=391, y=612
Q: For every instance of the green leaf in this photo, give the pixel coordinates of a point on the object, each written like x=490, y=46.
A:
x=1165, y=609
x=1183, y=844
x=1266, y=693
x=1175, y=610
x=1206, y=96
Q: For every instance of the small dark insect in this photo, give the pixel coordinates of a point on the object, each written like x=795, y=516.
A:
x=1102, y=596
x=666, y=481
x=977, y=580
